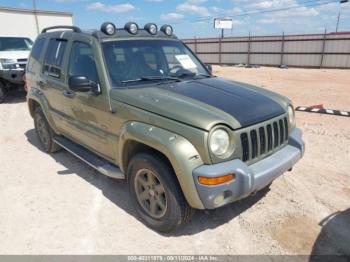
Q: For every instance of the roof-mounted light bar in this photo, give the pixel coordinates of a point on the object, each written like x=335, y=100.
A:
x=108, y=28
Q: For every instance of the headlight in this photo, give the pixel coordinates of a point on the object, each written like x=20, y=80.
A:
x=219, y=142
x=8, y=63
x=291, y=116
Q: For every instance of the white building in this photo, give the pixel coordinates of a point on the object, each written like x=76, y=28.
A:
x=29, y=23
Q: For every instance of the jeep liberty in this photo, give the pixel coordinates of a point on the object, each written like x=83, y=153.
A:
x=137, y=104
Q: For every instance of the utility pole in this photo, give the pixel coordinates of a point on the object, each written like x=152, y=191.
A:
x=36, y=17
x=341, y=2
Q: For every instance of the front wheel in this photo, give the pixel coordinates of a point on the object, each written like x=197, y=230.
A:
x=156, y=194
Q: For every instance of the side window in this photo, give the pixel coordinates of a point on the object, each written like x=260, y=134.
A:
x=37, y=48
x=54, y=57
x=82, y=62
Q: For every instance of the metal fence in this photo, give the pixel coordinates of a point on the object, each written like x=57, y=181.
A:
x=312, y=50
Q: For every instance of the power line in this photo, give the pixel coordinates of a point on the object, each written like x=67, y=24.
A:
x=263, y=11
x=301, y=4
x=285, y=8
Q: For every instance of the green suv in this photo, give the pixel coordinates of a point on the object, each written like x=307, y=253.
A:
x=137, y=104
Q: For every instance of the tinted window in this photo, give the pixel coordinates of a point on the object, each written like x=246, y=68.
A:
x=82, y=62
x=37, y=48
x=54, y=57
x=15, y=43
x=132, y=60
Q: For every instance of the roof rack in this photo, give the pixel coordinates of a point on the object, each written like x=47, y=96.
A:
x=74, y=28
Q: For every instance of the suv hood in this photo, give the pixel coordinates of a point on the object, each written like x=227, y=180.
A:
x=206, y=102
x=19, y=54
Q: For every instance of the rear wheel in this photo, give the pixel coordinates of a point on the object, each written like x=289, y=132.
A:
x=44, y=132
x=2, y=93
x=156, y=194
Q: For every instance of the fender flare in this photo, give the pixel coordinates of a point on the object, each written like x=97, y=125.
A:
x=182, y=155
x=38, y=96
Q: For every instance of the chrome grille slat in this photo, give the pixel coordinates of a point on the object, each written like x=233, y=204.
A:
x=254, y=142
x=245, y=146
x=269, y=137
x=280, y=122
x=285, y=128
x=275, y=134
x=262, y=140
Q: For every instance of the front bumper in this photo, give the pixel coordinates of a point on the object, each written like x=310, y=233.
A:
x=248, y=179
x=14, y=76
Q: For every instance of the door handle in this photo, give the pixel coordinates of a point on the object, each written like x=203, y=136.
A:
x=41, y=83
x=68, y=93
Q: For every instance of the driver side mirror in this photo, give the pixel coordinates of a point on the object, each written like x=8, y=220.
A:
x=82, y=84
x=210, y=68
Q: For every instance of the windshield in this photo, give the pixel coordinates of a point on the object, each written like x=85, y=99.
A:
x=132, y=62
x=15, y=43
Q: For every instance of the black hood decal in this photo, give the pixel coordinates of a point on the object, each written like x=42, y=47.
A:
x=247, y=106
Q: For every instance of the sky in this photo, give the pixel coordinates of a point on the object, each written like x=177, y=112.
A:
x=194, y=18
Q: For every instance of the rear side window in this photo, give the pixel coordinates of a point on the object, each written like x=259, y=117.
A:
x=37, y=48
x=54, y=57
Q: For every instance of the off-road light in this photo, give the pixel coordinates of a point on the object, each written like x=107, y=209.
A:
x=108, y=28
x=167, y=29
x=219, y=142
x=132, y=28
x=151, y=28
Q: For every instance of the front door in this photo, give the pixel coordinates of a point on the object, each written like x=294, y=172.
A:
x=88, y=115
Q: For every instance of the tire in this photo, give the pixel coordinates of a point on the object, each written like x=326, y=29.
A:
x=175, y=211
x=44, y=132
x=2, y=93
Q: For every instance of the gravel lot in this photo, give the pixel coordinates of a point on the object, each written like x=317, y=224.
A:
x=55, y=204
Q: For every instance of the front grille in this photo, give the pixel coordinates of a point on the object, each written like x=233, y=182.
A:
x=262, y=140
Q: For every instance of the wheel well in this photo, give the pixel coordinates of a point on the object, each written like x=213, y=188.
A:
x=32, y=106
x=132, y=147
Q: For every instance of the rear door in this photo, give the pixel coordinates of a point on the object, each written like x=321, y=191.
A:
x=88, y=115
x=52, y=79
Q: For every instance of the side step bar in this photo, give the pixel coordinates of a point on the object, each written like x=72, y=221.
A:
x=93, y=160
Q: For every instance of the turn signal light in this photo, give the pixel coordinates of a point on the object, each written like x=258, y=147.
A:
x=212, y=181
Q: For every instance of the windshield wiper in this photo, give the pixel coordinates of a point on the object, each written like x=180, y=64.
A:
x=151, y=78
x=205, y=75
x=194, y=75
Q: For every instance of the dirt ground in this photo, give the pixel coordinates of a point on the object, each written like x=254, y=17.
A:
x=55, y=204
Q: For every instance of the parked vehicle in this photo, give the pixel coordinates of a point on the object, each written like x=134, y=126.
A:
x=137, y=104
x=14, y=52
